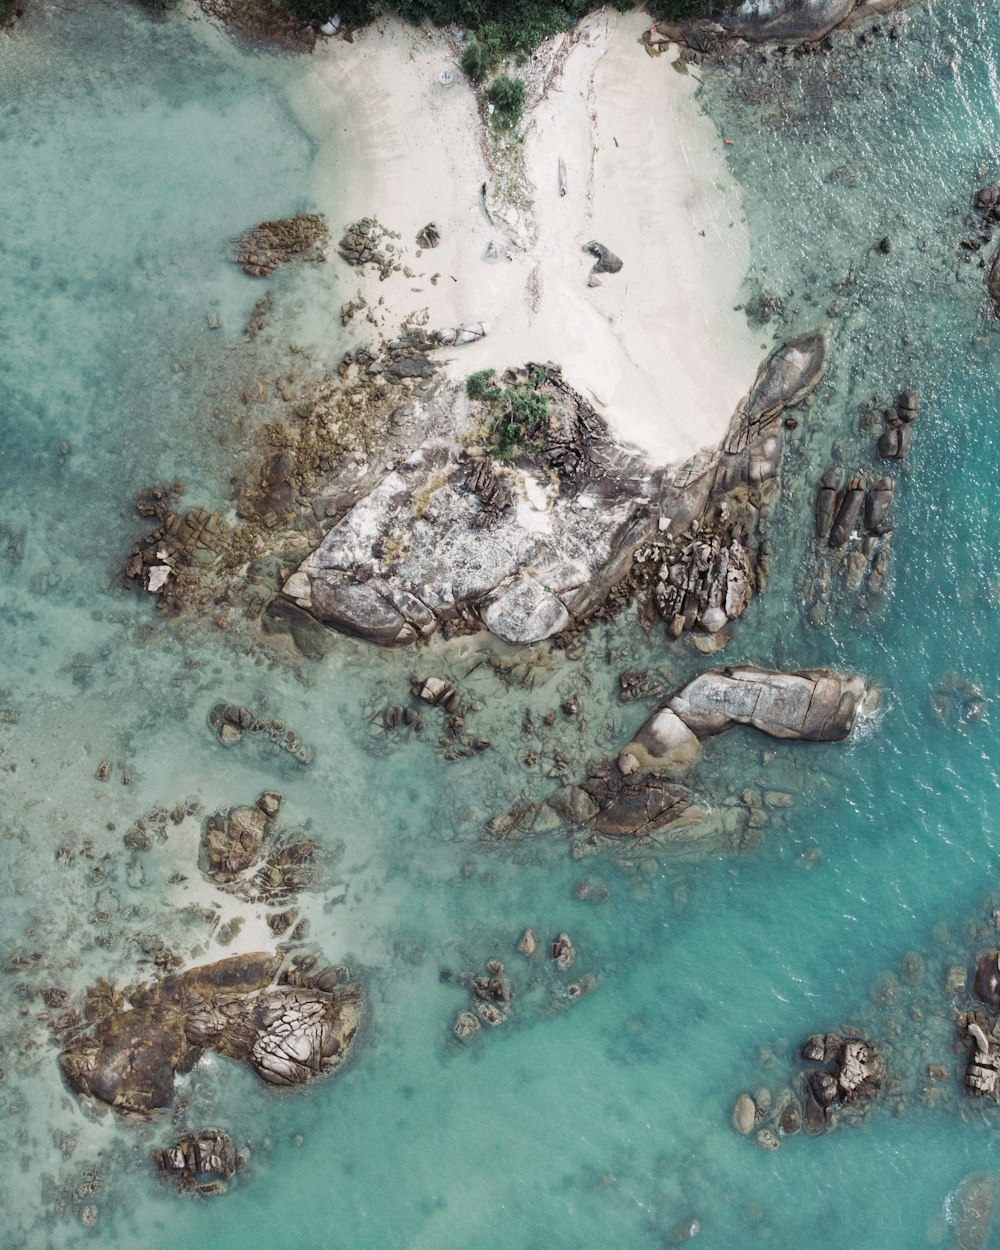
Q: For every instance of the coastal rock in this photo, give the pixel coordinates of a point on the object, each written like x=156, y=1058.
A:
x=665, y=743
x=414, y=554
x=993, y=284
x=849, y=512
x=606, y=261
x=245, y=1008
x=826, y=503
x=815, y=705
x=791, y=21
x=430, y=236
x=232, y=841
x=987, y=980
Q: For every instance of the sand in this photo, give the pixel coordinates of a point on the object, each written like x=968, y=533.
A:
x=658, y=347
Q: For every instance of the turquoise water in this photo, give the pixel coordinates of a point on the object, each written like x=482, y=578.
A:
x=130, y=151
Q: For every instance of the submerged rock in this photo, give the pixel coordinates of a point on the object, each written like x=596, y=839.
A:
x=974, y=1210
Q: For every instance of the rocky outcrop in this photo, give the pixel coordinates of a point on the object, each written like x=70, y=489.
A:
x=244, y=853
x=288, y=1024
x=513, y=546
x=785, y=378
x=261, y=250
x=791, y=21
x=847, y=1086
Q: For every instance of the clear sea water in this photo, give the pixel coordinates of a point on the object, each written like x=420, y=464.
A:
x=130, y=151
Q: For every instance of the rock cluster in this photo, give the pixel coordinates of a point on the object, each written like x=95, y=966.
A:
x=202, y=1161
x=841, y=511
x=192, y=539
x=894, y=442
x=492, y=992
x=243, y=853
x=261, y=250
x=286, y=1024
x=230, y=721
x=853, y=1076
x=706, y=578
x=368, y=242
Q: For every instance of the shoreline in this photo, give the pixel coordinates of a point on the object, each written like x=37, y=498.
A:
x=657, y=348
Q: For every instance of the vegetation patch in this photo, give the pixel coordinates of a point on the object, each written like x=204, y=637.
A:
x=513, y=416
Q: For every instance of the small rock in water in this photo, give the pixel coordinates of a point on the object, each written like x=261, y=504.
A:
x=744, y=1114
x=563, y=952
x=88, y=1215
x=528, y=944
x=686, y=1230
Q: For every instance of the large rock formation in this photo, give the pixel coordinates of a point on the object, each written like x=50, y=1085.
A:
x=413, y=553
x=797, y=21
x=527, y=546
x=287, y=1024
x=813, y=705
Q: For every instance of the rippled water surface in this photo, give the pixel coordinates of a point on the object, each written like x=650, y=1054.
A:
x=130, y=151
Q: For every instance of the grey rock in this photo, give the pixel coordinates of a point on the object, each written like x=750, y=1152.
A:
x=815, y=705
x=792, y=21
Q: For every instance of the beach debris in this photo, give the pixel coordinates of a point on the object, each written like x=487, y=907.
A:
x=272, y=243
x=562, y=176
x=606, y=262
x=430, y=236
x=494, y=252
x=202, y=1161
x=446, y=77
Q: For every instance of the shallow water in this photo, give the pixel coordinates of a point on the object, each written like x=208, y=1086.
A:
x=130, y=152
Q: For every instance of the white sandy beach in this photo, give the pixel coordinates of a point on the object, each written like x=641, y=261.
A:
x=657, y=347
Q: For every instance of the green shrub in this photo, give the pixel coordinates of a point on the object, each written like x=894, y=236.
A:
x=479, y=383
x=506, y=94
x=8, y=12
x=512, y=415
x=475, y=59
x=684, y=10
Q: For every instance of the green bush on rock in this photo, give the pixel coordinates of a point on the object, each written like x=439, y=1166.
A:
x=513, y=414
